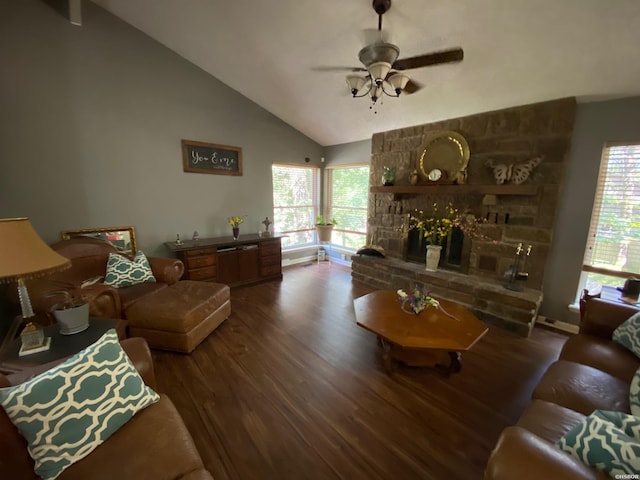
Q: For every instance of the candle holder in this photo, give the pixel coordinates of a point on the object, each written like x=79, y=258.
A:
x=516, y=274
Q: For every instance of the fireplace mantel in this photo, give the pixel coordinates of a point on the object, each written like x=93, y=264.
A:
x=399, y=191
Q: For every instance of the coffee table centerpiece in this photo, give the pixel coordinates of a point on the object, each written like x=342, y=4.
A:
x=417, y=300
x=429, y=337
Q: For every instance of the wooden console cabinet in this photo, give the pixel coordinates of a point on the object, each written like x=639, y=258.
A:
x=249, y=259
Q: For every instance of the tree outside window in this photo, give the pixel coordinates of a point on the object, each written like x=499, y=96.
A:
x=295, y=203
x=347, y=198
x=613, y=246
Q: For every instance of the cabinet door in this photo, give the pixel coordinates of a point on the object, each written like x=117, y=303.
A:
x=248, y=265
x=228, y=267
x=238, y=266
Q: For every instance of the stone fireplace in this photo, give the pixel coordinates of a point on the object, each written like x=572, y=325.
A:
x=514, y=214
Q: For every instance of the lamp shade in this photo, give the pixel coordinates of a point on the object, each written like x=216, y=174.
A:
x=398, y=81
x=379, y=71
x=375, y=93
x=23, y=254
x=355, y=83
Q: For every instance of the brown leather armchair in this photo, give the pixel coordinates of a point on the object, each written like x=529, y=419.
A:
x=592, y=372
x=89, y=260
x=154, y=444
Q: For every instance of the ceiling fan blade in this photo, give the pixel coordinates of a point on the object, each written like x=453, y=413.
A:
x=412, y=87
x=435, y=58
x=339, y=69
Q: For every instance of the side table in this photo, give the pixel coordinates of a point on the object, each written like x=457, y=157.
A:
x=61, y=345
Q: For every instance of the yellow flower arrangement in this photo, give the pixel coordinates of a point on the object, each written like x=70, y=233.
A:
x=435, y=227
x=235, y=221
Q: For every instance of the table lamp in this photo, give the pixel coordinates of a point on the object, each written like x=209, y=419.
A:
x=24, y=255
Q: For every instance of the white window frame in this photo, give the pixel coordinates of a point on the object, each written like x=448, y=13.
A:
x=589, y=266
x=329, y=205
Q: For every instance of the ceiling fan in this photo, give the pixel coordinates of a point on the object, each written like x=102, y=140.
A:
x=384, y=72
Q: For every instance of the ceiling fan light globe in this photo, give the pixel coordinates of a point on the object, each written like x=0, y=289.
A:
x=398, y=81
x=355, y=83
x=379, y=71
x=375, y=93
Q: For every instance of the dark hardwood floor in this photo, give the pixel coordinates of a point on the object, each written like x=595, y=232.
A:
x=290, y=388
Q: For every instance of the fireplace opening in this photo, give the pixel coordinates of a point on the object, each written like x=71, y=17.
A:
x=454, y=254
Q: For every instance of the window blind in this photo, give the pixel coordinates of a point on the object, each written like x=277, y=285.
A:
x=613, y=245
x=295, y=202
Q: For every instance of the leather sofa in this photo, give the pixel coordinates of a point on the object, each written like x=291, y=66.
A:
x=592, y=372
x=88, y=261
x=171, y=314
x=154, y=444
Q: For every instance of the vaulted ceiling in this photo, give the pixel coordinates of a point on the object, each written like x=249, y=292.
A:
x=516, y=52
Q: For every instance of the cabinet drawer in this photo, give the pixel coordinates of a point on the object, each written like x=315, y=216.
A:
x=208, y=273
x=197, y=262
x=200, y=252
x=271, y=260
x=270, y=249
x=267, y=270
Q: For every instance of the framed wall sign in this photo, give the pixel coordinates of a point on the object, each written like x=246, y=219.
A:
x=200, y=157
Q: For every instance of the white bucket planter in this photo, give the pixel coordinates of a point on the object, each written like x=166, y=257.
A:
x=73, y=320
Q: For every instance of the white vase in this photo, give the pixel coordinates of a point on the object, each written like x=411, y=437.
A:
x=433, y=257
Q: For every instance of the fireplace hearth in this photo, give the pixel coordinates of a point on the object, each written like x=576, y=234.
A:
x=488, y=299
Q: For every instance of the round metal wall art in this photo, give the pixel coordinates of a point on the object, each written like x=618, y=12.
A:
x=446, y=151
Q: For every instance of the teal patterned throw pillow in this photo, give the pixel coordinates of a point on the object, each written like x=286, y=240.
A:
x=634, y=394
x=608, y=441
x=68, y=411
x=629, y=424
x=122, y=272
x=628, y=334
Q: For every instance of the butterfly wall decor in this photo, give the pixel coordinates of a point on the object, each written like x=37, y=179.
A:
x=516, y=173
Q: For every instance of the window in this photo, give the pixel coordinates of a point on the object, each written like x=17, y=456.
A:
x=347, y=197
x=295, y=203
x=613, y=245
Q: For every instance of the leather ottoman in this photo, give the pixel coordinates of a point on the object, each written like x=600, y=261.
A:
x=180, y=316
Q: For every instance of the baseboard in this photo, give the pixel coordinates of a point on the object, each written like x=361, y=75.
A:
x=557, y=324
x=288, y=262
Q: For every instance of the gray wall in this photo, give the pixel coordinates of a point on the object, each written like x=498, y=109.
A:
x=91, y=120
x=345, y=153
x=596, y=123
